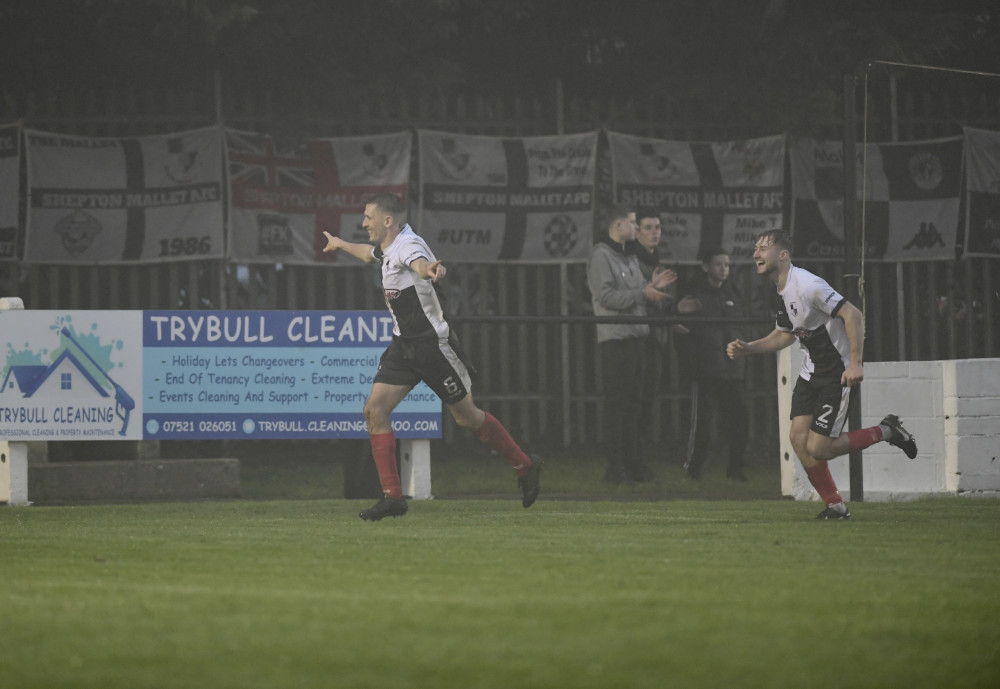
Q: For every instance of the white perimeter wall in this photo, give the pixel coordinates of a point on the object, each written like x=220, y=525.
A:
x=951, y=407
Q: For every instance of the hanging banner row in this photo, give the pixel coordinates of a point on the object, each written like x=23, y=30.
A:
x=226, y=194
x=181, y=375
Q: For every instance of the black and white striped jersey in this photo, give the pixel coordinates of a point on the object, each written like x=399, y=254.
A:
x=807, y=307
x=412, y=301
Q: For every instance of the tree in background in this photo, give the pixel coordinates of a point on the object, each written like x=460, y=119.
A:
x=777, y=62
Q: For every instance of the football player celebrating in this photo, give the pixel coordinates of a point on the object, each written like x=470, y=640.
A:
x=830, y=331
x=423, y=348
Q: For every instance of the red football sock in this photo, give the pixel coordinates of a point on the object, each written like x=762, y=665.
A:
x=864, y=437
x=384, y=452
x=493, y=434
x=822, y=481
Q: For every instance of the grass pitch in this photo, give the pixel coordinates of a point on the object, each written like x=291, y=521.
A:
x=482, y=593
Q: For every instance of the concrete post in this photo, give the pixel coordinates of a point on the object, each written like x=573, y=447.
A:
x=13, y=456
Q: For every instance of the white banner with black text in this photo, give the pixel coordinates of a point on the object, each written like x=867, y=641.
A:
x=485, y=198
x=910, y=193
x=124, y=200
x=708, y=195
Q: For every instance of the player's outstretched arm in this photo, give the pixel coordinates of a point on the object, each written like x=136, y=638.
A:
x=362, y=252
x=775, y=340
x=427, y=270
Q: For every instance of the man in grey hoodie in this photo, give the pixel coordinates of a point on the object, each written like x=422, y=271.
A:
x=618, y=288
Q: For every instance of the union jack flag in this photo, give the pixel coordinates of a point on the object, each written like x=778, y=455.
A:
x=283, y=197
x=257, y=160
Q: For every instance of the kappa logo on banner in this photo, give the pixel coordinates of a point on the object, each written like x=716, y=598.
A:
x=926, y=238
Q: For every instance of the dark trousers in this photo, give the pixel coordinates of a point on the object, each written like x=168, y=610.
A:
x=717, y=402
x=624, y=368
x=651, y=447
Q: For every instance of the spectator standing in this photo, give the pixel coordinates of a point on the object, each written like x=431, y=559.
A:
x=618, y=288
x=717, y=381
x=647, y=249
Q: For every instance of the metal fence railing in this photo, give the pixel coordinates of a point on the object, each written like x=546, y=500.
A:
x=539, y=373
x=528, y=328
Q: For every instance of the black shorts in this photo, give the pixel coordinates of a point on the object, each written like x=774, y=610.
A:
x=825, y=400
x=439, y=363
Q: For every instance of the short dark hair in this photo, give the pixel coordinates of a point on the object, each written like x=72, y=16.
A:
x=617, y=212
x=707, y=256
x=779, y=238
x=646, y=212
x=388, y=203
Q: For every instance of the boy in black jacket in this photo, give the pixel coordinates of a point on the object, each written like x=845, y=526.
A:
x=717, y=386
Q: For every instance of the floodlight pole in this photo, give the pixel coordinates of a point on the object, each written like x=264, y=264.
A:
x=852, y=264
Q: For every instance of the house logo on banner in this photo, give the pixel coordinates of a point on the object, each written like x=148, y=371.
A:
x=911, y=194
x=10, y=189
x=708, y=194
x=123, y=200
x=487, y=198
x=64, y=382
x=282, y=197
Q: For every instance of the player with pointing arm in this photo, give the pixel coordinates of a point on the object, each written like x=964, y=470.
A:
x=423, y=348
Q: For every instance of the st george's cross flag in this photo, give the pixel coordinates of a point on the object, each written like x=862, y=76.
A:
x=485, y=198
x=283, y=196
x=124, y=200
x=982, y=206
x=708, y=195
x=910, y=193
x=10, y=189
